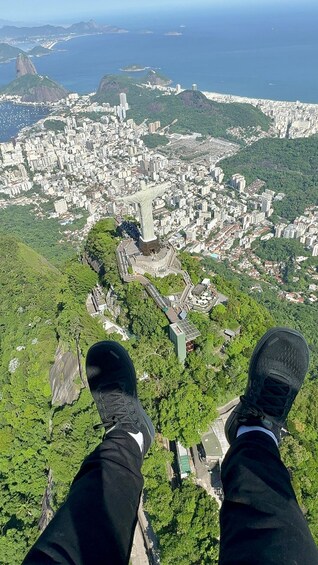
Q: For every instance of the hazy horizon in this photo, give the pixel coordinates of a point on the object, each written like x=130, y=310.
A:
x=34, y=14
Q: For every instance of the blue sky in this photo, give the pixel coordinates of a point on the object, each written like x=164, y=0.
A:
x=67, y=10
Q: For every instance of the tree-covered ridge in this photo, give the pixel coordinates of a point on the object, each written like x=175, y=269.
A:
x=35, y=88
x=40, y=308
x=55, y=125
x=39, y=51
x=155, y=140
x=8, y=52
x=279, y=249
x=189, y=112
x=185, y=519
x=27, y=309
x=286, y=165
x=44, y=235
x=300, y=449
x=181, y=399
x=24, y=84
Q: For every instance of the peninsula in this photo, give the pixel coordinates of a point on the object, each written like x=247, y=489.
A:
x=8, y=52
x=31, y=87
x=40, y=33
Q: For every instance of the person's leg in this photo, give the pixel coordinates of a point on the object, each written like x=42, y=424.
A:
x=96, y=524
x=261, y=522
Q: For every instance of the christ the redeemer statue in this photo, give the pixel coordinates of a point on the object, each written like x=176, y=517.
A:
x=144, y=198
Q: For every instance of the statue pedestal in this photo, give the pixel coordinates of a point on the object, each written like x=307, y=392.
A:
x=149, y=247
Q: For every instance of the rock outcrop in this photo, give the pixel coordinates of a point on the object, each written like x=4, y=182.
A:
x=64, y=378
x=24, y=66
x=47, y=512
x=194, y=99
x=32, y=87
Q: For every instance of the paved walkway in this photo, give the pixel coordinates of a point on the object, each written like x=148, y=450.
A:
x=138, y=554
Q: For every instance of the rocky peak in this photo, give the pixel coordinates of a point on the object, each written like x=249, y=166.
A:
x=24, y=66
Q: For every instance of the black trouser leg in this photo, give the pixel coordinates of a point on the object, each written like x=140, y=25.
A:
x=96, y=524
x=261, y=522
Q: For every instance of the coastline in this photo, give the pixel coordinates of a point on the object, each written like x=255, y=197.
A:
x=230, y=98
x=214, y=96
x=17, y=100
x=57, y=45
x=53, y=42
x=290, y=120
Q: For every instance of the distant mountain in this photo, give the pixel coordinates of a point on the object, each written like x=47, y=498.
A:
x=31, y=86
x=39, y=51
x=190, y=111
x=35, y=88
x=7, y=52
x=48, y=31
x=24, y=66
x=14, y=32
x=194, y=99
x=112, y=85
x=86, y=27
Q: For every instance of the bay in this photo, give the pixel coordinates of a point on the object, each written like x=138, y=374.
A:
x=266, y=52
x=14, y=117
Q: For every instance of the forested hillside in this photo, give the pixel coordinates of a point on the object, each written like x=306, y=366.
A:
x=300, y=449
x=188, y=112
x=43, y=308
x=286, y=165
x=39, y=311
x=45, y=235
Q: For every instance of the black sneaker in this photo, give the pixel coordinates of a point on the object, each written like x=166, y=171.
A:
x=112, y=380
x=277, y=370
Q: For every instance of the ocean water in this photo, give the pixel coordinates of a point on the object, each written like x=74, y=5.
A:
x=14, y=117
x=257, y=52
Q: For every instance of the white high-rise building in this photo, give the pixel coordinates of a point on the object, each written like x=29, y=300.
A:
x=123, y=100
x=60, y=207
x=205, y=189
x=289, y=232
x=315, y=250
x=121, y=112
x=279, y=230
x=238, y=182
x=204, y=206
x=217, y=174
x=266, y=203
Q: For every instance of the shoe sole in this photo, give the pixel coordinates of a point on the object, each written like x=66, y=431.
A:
x=149, y=425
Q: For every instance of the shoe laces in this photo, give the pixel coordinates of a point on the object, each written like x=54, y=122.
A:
x=273, y=396
x=119, y=408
